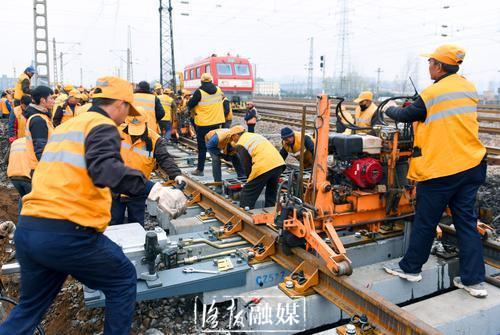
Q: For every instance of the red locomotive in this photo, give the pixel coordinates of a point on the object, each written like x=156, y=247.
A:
x=233, y=74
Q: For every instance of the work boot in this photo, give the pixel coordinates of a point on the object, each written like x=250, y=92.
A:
x=477, y=290
x=197, y=173
x=395, y=270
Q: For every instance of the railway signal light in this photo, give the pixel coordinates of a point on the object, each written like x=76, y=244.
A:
x=322, y=61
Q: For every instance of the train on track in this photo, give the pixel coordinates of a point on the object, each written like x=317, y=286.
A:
x=233, y=74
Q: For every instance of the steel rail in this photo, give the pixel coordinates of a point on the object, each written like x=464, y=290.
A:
x=386, y=317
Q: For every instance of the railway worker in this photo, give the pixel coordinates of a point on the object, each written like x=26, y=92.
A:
x=219, y=146
x=39, y=125
x=23, y=85
x=152, y=105
x=251, y=116
x=170, y=107
x=228, y=112
x=206, y=103
x=448, y=164
x=141, y=149
x=18, y=168
x=63, y=95
x=262, y=164
x=291, y=140
x=60, y=227
x=365, y=110
x=5, y=106
x=68, y=109
x=17, y=121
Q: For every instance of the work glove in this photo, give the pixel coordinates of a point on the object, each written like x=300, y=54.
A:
x=181, y=181
x=170, y=200
x=7, y=229
x=391, y=103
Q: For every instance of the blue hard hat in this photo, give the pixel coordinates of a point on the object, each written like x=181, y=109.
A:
x=30, y=69
x=286, y=132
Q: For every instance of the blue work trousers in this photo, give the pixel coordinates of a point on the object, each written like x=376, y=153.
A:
x=457, y=191
x=23, y=186
x=201, y=131
x=135, y=210
x=216, y=156
x=48, y=251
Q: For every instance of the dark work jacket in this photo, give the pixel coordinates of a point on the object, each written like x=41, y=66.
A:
x=415, y=112
x=250, y=114
x=210, y=88
x=105, y=165
x=38, y=128
x=308, y=144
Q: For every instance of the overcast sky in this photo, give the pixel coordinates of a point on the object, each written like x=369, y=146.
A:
x=389, y=34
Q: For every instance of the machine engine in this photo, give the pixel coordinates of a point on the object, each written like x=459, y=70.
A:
x=355, y=160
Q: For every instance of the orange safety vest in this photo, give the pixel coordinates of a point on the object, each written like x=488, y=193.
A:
x=19, y=164
x=62, y=187
x=448, y=139
x=295, y=150
x=166, y=102
x=68, y=114
x=364, y=118
x=18, y=90
x=147, y=101
x=21, y=121
x=3, y=106
x=209, y=111
x=29, y=140
x=264, y=155
x=223, y=138
x=136, y=155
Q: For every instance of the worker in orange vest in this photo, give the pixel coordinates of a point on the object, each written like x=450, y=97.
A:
x=17, y=121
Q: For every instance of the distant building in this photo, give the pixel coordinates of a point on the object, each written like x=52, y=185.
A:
x=7, y=82
x=267, y=88
x=489, y=95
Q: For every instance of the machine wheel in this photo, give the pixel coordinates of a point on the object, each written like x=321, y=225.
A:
x=345, y=268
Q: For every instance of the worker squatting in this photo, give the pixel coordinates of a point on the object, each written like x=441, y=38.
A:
x=80, y=159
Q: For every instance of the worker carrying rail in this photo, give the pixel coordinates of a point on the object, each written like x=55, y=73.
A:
x=59, y=232
x=152, y=105
x=141, y=149
x=207, y=106
x=263, y=165
x=291, y=141
x=365, y=110
x=448, y=164
x=219, y=146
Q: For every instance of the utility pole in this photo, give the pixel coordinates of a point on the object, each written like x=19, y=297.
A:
x=61, y=65
x=379, y=70
x=310, y=68
x=342, y=46
x=167, y=61
x=54, y=57
x=40, y=31
x=130, y=73
x=322, y=66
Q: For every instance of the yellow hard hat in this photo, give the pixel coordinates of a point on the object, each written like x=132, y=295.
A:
x=448, y=53
x=365, y=95
x=157, y=86
x=75, y=93
x=235, y=130
x=167, y=91
x=206, y=77
x=137, y=123
x=68, y=87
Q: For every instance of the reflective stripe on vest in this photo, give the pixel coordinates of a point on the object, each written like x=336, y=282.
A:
x=209, y=110
x=166, y=103
x=62, y=187
x=147, y=101
x=264, y=155
x=136, y=155
x=448, y=140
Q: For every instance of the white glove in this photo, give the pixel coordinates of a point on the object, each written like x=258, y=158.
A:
x=180, y=179
x=7, y=228
x=154, y=194
x=172, y=201
x=391, y=103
